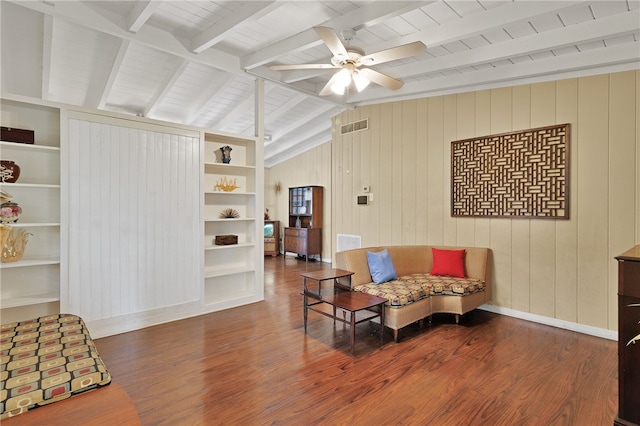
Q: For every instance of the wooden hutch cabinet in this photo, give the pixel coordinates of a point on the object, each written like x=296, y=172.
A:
x=628, y=329
x=303, y=235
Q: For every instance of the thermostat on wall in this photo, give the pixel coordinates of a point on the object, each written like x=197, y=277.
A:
x=363, y=199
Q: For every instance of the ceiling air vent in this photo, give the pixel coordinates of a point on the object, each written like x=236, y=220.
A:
x=355, y=127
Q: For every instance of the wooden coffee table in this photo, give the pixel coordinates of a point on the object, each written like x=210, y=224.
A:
x=337, y=296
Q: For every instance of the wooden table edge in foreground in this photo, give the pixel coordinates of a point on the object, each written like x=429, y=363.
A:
x=108, y=405
x=340, y=297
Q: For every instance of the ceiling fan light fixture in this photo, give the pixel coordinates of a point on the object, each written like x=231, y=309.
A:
x=360, y=81
x=350, y=58
x=338, y=89
x=343, y=78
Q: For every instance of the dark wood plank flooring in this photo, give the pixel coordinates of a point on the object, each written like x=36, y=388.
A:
x=254, y=365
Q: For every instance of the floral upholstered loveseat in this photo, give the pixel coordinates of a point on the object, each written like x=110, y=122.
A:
x=424, y=280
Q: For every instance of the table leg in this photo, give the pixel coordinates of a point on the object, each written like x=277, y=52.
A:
x=353, y=330
x=304, y=309
x=381, y=322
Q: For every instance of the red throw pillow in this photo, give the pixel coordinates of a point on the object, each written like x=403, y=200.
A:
x=448, y=262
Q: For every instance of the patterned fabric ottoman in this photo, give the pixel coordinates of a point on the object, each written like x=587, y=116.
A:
x=45, y=360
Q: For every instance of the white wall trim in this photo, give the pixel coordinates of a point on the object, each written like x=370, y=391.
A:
x=553, y=322
x=139, y=320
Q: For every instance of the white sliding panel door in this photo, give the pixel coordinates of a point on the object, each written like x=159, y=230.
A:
x=134, y=228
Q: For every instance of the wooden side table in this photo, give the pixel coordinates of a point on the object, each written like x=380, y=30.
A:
x=338, y=296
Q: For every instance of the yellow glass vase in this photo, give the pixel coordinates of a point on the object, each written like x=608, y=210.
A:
x=13, y=241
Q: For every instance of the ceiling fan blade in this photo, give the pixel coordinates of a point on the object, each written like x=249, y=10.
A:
x=404, y=51
x=381, y=79
x=326, y=90
x=331, y=39
x=303, y=67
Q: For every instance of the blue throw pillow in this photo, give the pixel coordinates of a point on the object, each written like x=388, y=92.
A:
x=381, y=266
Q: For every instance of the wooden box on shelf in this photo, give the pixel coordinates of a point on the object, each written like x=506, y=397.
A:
x=9, y=134
x=225, y=240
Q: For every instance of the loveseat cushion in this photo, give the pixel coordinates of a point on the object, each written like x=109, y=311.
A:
x=381, y=266
x=448, y=263
x=437, y=285
x=397, y=292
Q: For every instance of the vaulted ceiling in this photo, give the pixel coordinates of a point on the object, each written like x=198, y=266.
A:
x=196, y=62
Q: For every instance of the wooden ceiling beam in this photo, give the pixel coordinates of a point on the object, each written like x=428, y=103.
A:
x=113, y=73
x=219, y=30
x=585, y=32
x=166, y=88
x=80, y=13
x=140, y=14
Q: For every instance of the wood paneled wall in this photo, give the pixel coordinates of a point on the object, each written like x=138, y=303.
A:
x=135, y=238
x=561, y=269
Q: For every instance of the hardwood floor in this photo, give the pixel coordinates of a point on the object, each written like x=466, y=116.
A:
x=254, y=365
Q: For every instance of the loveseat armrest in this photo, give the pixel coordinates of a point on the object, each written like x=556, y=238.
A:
x=356, y=261
x=478, y=265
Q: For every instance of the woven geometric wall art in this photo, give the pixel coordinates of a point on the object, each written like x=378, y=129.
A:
x=522, y=174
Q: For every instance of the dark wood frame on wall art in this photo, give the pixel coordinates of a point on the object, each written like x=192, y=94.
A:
x=522, y=174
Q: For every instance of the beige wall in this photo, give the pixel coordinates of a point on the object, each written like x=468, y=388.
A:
x=561, y=269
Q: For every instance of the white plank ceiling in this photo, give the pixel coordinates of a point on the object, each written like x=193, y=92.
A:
x=195, y=62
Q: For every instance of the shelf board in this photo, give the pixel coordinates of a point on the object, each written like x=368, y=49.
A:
x=14, y=302
x=228, y=246
x=220, y=272
x=31, y=262
x=229, y=193
x=239, y=219
x=28, y=147
x=30, y=185
x=32, y=224
x=223, y=166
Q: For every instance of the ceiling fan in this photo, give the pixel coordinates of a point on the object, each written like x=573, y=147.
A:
x=353, y=64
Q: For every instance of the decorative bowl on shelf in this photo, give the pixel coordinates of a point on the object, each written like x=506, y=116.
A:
x=13, y=241
x=9, y=171
x=10, y=212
